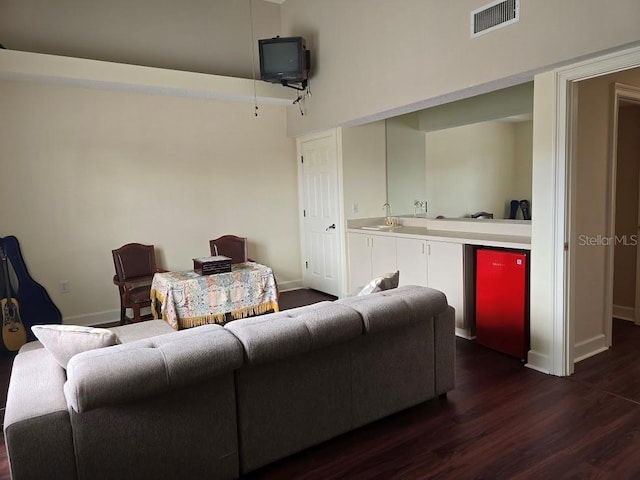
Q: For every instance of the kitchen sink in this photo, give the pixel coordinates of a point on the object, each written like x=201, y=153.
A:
x=378, y=227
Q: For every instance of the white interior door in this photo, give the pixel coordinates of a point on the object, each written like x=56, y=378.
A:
x=321, y=227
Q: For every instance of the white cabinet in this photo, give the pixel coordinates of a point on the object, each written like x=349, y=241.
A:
x=429, y=263
x=383, y=255
x=445, y=272
x=434, y=264
x=412, y=261
x=369, y=257
x=359, y=260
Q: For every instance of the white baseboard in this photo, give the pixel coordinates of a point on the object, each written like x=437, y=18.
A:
x=290, y=285
x=538, y=361
x=110, y=316
x=92, y=319
x=464, y=333
x=589, y=348
x=624, y=313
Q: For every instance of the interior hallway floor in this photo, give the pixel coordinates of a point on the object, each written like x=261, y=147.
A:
x=617, y=370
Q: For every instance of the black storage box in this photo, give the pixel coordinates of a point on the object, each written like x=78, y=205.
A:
x=210, y=265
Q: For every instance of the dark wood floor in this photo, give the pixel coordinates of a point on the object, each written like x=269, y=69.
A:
x=299, y=298
x=618, y=369
x=502, y=421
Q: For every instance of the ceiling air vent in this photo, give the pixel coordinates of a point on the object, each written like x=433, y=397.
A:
x=495, y=15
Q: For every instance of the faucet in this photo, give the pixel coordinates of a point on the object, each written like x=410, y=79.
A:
x=390, y=221
x=421, y=204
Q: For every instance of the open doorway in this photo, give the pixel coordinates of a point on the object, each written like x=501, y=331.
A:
x=626, y=264
x=592, y=235
x=622, y=304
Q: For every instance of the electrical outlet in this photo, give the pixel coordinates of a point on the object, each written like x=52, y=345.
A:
x=65, y=287
x=354, y=208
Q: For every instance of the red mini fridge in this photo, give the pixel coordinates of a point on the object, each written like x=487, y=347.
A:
x=502, y=285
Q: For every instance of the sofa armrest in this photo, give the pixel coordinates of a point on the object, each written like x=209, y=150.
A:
x=37, y=427
x=129, y=372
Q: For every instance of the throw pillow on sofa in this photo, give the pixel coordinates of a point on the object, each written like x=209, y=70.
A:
x=383, y=282
x=65, y=341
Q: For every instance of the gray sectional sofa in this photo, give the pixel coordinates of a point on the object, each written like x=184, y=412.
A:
x=218, y=402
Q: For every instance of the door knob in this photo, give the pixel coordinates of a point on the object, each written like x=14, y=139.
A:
x=331, y=227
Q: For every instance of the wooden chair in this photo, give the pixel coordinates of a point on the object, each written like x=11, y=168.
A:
x=230, y=246
x=135, y=266
x=235, y=248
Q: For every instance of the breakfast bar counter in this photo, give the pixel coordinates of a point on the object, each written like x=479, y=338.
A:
x=490, y=233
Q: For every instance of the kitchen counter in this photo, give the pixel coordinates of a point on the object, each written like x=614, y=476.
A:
x=430, y=252
x=515, y=234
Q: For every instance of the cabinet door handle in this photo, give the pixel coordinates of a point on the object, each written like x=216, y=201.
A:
x=422, y=245
x=428, y=249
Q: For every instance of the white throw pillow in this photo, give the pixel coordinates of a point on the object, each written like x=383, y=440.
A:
x=65, y=341
x=383, y=282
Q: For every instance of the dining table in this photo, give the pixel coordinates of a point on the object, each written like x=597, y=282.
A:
x=186, y=299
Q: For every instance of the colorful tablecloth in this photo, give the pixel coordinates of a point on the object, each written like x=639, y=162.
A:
x=188, y=299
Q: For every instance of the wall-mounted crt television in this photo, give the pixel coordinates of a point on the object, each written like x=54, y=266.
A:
x=283, y=59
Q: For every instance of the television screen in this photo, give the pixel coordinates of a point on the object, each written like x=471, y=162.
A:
x=283, y=59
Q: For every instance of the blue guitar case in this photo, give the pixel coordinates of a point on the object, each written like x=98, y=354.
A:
x=36, y=306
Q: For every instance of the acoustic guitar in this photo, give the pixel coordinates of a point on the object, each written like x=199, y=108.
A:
x=36, y=306
x=13, y=332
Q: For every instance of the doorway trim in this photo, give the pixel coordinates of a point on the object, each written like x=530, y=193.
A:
x=562, y=361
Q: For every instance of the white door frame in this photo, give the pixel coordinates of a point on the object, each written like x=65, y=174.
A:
x=336, y=134
x=562, y=352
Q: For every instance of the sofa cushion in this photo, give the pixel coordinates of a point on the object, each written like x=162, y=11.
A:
x=381, y=283
x=65, y=341
x=198, y=353
x=135, y=370
x=138, y=331
x=396, y=307
x=293, y=332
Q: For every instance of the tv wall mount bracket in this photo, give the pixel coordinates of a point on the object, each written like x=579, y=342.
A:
x=301, y=87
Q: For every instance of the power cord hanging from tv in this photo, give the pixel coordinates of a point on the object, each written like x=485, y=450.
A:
x=306, y=92
x=253, y=61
